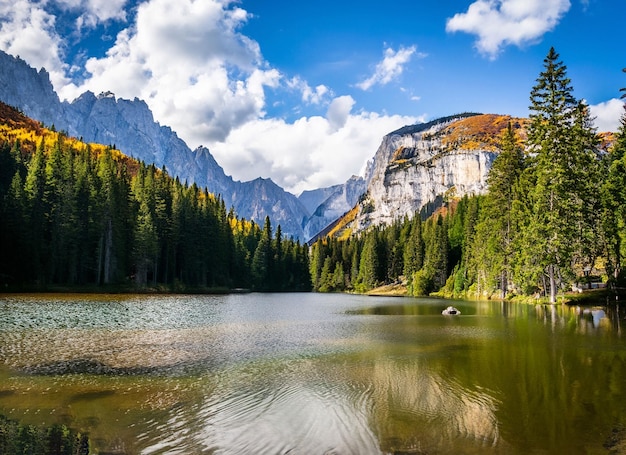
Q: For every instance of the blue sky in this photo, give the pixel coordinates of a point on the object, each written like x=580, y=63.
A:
x=303, y=92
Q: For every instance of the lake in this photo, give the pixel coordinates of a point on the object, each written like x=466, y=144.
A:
x=315, y=374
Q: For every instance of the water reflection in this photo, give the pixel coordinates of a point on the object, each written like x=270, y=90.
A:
x=581, y=319
x=314, y=374
x=313, y=406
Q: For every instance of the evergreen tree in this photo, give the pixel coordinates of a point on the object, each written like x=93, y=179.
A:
x=436, y=257
x=414, y=248
x=614, y=204
x=110, y=211
x=556, y=140
x=34, y=191
x=494, y=246
x=278, y=274
x=338, y=281
x=326, y=278
x=262, y=260
x=317, y=263
x=369, y=263
x=15, y=262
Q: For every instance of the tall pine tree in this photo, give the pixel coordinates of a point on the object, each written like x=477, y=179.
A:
x=495, y=236
x=558, y=142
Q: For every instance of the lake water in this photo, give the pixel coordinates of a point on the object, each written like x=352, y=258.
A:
x=315, y=374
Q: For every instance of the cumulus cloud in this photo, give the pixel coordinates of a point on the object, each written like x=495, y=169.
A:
x=93, y=12
x=303, y=154
x=191, y=64
x=24, y=28
x=498, y=23
x=338, y=112
x=310, y=95
x=200, y=75
x=390, y=67
x=608, y=114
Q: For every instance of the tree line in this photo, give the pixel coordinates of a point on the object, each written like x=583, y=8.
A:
x=76, y=214
x=554, y=214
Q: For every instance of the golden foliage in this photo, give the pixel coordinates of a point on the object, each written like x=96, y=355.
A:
x=344, y=221
x=481, y=131
x=397, y=155
x=15, y=126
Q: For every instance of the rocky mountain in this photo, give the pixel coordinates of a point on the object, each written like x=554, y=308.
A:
x=29, y=90
x=418, y=166
x=130, y=126
x=328, y=204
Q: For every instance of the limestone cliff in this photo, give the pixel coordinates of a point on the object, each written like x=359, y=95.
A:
x=421, y=165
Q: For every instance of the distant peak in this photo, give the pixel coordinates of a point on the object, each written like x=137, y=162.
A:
x=107, y=94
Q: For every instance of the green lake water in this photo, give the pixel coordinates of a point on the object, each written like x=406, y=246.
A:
x=315, y=374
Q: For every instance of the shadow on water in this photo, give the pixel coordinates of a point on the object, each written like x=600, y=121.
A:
x=98, y=368
x=91, y=396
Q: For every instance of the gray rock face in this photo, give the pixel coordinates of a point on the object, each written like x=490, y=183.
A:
x=418, y=165
x=130, y=126
x=335, y=202
x=29, y=90
x=414, y=166
x=255, y=199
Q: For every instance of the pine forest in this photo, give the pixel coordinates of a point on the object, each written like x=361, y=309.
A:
x=75, y=214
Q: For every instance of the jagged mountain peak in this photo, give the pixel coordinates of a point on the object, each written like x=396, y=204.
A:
x=106, y=95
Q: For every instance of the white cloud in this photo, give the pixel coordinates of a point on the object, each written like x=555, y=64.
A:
x=189, y=62
x=310, y=95
x=303, y=154
x=95, y=11
x=608, y=114
x=200, y=75
x=338, y=112
x=390, y=67
x=24, y=28
x=498, y=23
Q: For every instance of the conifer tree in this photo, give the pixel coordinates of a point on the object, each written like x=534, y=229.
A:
x=494, y=246
x=414, y=248
x=614, y=203
x=263, y=258
x=556, y=198
x=436, y=257
x=326, y=277
x=369, y=263
x=316, y=263
x=278, y=273
x=34, y=191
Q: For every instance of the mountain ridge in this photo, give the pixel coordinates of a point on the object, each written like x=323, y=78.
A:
x=129, y=125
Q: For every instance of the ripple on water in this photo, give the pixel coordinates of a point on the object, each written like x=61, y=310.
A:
x=288, y=409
